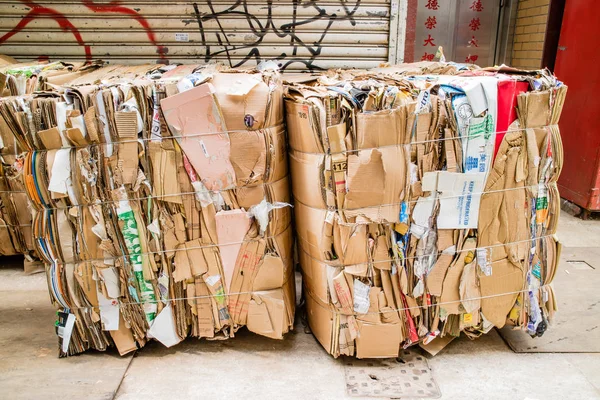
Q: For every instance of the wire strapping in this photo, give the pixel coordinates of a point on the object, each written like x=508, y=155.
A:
x=148, y=253
x=158, y=197
x=220, y=295
x=474, y=250
x=332, y=208
x=400, y=309
x=432, y=198
x=296, y=150
x=491, y=296
x=193, y=135
x=124, y=304
x=414, y=143
x=153, y=139
x=15, y=225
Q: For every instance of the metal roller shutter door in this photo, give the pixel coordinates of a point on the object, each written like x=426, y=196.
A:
x=302, y=34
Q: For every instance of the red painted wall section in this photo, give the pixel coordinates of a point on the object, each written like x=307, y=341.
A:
x=411, y=30
x=578, y=66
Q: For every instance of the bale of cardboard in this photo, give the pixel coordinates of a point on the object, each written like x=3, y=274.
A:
x=19, y=79
x=160, y=203
x=425, y=203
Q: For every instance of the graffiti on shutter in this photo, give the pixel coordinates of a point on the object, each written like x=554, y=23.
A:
x=299, y=34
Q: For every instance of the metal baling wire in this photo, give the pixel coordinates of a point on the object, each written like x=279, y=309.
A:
x=15, y=225
x=150, y=197
x=414, y=201
x=414, y=143
x=250, y=292
x=147, y=139
x=305, y=205
x=133, y=303
x=125, y=256
x=267, y=128
x=158, y=197
x=491, y=296
x=425, y=199
x=426, y=255
x=138, y=140
x=230, y=294
x=311, y=294
x=299, y=151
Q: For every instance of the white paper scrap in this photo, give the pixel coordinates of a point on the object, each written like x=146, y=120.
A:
x=61, y=172
x=109, y=312
x=361, y=297
x=163, y=328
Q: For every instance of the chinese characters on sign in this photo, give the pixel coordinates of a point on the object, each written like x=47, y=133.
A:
x=430, y=24
x=432, y=4
x=474, y=25
x=477, y=6
x=429, y=41
x=473, y=42
x=465, y=29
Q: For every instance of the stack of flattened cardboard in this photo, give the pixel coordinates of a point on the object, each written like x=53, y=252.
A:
x=18, y=79
x=161, y=203
x=413, y=225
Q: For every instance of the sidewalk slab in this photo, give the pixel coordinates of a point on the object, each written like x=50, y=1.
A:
x=29, y=363
x=248, y=365
x=576, y=327
x=487, y=369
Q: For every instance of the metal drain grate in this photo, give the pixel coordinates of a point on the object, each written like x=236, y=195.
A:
x=408, y=376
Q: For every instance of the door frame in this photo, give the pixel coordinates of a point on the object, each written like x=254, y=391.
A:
x=553, y=26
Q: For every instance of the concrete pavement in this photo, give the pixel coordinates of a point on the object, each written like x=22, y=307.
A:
x=254, y=367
